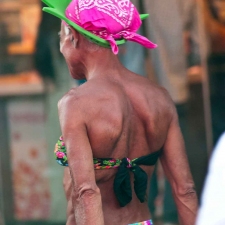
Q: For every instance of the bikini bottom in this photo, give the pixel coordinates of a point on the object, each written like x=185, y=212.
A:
x=147, y=222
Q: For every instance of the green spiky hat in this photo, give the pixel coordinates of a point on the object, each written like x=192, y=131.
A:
x=58, y=8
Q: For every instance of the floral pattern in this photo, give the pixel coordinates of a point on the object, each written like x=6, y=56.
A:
x=147, y=222
x=99, y=163
x=60, y=152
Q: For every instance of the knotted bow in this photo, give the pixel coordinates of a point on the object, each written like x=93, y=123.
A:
x=122, y=183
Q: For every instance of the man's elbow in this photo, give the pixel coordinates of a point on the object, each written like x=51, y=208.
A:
x=87, y=193
x=188, y=192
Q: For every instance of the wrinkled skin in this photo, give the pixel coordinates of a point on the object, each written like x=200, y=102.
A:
x=117, y=114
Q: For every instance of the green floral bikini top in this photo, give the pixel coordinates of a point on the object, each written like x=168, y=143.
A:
x=122, y=184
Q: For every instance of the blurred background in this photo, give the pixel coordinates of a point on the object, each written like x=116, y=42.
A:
x=189, y=62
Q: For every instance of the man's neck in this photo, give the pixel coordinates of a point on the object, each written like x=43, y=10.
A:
x=103, y=63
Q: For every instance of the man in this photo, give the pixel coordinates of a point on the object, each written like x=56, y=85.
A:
x=115, y=124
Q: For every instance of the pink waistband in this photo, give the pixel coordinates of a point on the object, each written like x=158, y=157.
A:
x=147, y=222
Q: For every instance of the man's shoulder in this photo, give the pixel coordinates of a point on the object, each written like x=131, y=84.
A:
x=149, y=84
x=73, y=100
x=154, y=90
x=69, y=97
x=75, y=106
x=79, y=98
x=159, y=97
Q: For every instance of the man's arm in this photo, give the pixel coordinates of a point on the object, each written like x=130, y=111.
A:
x=175, y=164
x=68, y=188
x=86, y=196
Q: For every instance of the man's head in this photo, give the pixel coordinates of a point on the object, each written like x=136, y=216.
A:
x=108, y=24
x=68, y=33
x=77, y=50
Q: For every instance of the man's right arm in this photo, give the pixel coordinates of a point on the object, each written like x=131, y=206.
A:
x=175, y=164
x=85, y=195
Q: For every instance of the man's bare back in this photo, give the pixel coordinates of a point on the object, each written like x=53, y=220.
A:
x=126, y=116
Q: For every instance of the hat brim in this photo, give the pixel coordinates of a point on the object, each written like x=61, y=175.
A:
x=58, y=7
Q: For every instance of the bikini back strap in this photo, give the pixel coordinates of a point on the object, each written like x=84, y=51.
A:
x=148, y=160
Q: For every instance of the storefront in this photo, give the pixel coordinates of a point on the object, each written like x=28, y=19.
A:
x=24, y=185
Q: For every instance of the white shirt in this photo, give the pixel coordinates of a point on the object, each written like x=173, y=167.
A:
x=212, y=210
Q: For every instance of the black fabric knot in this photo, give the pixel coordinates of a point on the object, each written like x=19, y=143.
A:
x=122, y=183
x=128, y=162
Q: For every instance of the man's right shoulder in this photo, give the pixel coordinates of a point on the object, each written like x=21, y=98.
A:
x=161, y=97
x=159, y=92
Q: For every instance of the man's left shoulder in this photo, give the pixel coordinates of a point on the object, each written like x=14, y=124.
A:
x=76, y=99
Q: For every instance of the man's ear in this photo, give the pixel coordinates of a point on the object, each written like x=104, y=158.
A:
x=74, y=36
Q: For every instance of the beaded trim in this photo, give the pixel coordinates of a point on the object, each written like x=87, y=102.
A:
x=110, y=163
x=147, y=222
x=99, y=163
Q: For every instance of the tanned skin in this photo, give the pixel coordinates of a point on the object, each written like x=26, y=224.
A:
x=116, y=114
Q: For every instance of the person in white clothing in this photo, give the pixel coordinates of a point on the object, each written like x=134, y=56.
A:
x=212, y=209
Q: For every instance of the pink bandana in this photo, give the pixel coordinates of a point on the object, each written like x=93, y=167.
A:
x=108, y=19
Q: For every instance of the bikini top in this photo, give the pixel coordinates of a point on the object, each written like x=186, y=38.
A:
x=122, y=184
